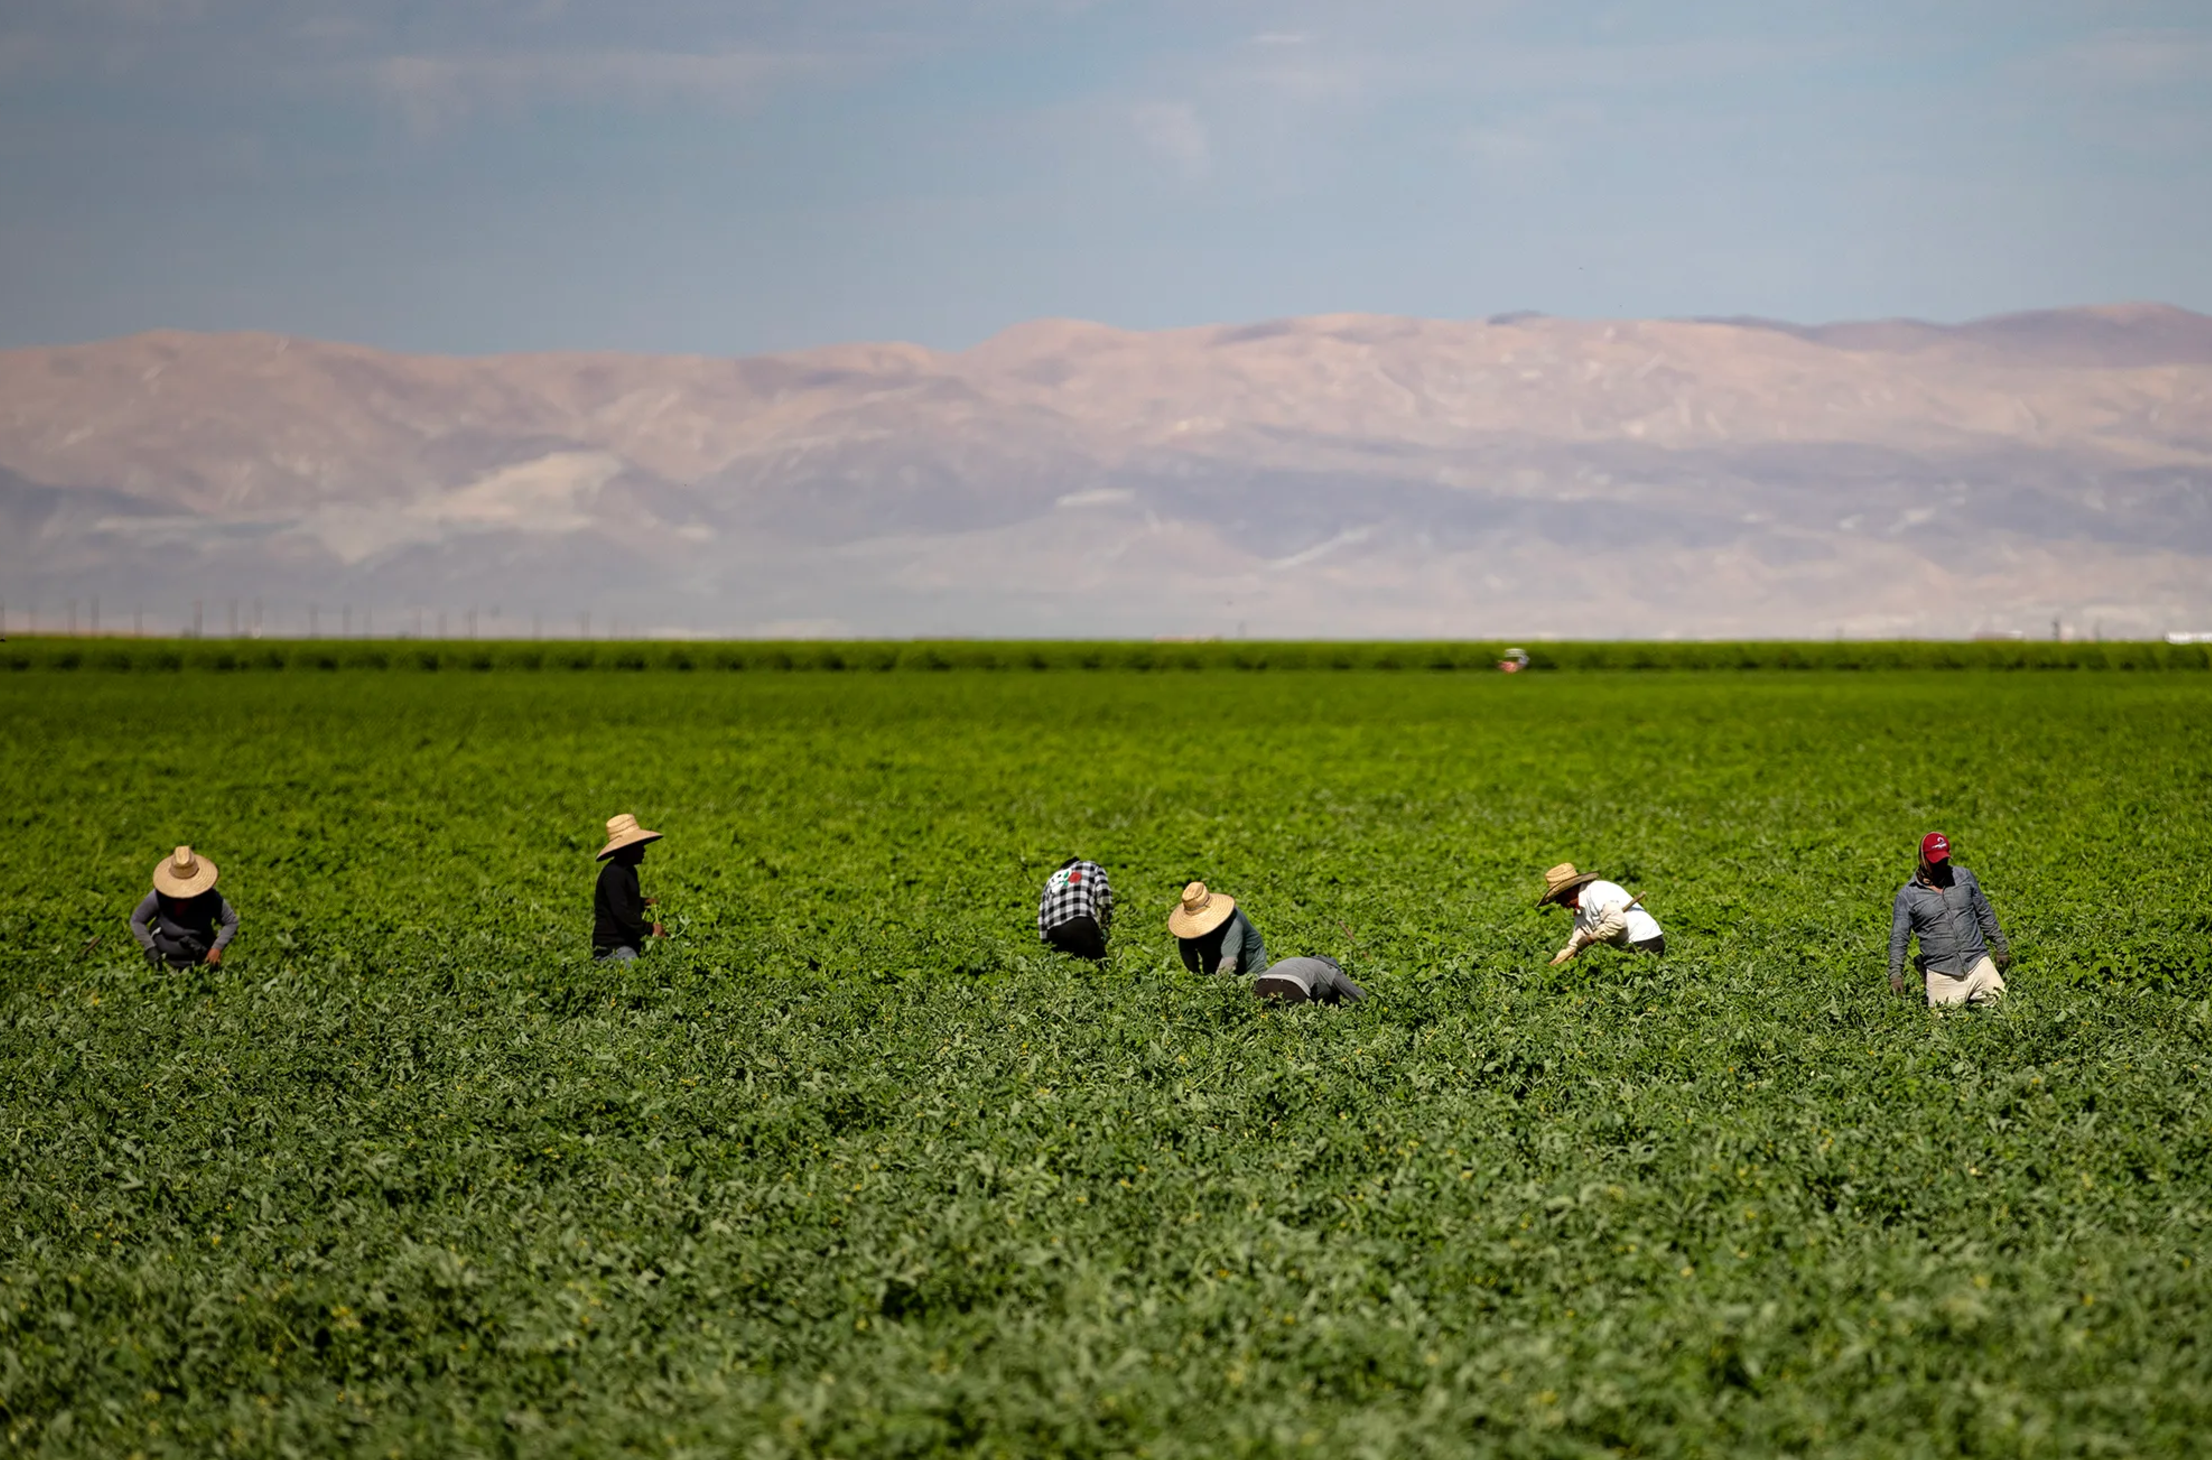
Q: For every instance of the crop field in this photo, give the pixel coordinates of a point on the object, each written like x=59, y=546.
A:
x=850, y=1165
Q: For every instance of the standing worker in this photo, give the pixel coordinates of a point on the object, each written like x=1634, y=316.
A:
x=1943, y=906
x=619, y=929
x=184, y=921
x=1604, y=913
x=1076, y=913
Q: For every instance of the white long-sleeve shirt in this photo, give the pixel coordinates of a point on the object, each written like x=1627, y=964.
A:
x=1601, y=898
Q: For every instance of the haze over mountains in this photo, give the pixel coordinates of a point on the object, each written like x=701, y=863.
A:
x=1342, y=475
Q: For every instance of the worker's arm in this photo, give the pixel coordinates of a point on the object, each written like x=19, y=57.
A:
x=1232, y=946
x=1608, y=924
x=626, y=903
x=142, y=921
x=226, y=926
x=1900, y=934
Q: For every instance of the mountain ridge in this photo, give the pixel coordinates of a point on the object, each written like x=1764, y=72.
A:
x=1337, y=473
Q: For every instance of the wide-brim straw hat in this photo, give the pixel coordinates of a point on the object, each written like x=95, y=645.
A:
x=623, y=831
x=1561, y=880
x=1200, y=912
x=183, y=873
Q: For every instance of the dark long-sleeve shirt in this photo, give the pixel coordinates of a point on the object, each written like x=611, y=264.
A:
x=184, y=926
x=1951, y=922
x=1236, y=946
x=618, y=910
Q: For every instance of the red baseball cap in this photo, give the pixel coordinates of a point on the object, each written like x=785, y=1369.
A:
x=1935, y=847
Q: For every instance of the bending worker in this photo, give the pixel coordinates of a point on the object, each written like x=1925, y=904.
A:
x=1943, y=906
x=184, y=920
x=1214, y=936
x=618, y=927
x=1604, y=913
x=1076, y=913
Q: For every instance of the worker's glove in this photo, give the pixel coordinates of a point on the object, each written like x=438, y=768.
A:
x=1897, y=983
x=2003, y=960
x=1564, y=954
x=153, y=958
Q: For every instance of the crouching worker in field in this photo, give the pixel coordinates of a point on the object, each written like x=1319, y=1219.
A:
x=1943, y=906
x=1213, y=934
x=1076, y=913
x=1307, y=980
x=619, y=929
x=1604, y=913
x=184, y=920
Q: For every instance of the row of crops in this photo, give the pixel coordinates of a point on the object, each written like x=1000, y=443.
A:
x=851, y=1165
x=825, y=656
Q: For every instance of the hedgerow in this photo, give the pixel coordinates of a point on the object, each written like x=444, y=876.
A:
x=850, y=1166
x=862, y=656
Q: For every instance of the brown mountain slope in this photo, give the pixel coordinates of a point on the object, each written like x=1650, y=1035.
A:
x=1348, y=474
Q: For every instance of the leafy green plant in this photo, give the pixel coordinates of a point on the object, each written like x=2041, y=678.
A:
x=850, y=1165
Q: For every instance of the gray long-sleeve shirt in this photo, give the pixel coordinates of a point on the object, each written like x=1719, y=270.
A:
x=1951, y=923
x=1234, y=947
x=184, y=925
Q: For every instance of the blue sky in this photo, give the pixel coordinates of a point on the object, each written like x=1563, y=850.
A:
x=733, y=177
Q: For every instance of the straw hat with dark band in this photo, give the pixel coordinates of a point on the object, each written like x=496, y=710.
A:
x=623, y=831
x=1561, y=880
x=1200, y=912
x=182, y=874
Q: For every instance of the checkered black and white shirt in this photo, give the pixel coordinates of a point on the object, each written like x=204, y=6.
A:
x=1078, y=890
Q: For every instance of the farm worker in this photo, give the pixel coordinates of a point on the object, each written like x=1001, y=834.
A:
x=184, y=921
x=1303, y=980
x=1943, y=906
x=1214, y=935
x=1076, y=913
x=1604, y=913
x=618, y=929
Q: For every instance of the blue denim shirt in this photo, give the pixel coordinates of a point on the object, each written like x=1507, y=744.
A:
x=1951, y=923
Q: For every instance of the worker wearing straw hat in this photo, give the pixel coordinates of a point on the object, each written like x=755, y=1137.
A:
x=619, y=929
x=1604, y=913
x=184, y=920
x=1213, y=934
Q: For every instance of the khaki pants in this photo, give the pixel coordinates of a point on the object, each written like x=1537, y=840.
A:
x=1983, y=984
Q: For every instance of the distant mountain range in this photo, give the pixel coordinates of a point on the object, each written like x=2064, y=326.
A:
x=1340, y=475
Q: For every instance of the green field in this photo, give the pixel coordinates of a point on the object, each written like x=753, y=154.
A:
x=850, y=1166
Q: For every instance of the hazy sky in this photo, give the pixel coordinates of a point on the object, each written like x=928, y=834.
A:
x=727, y=177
